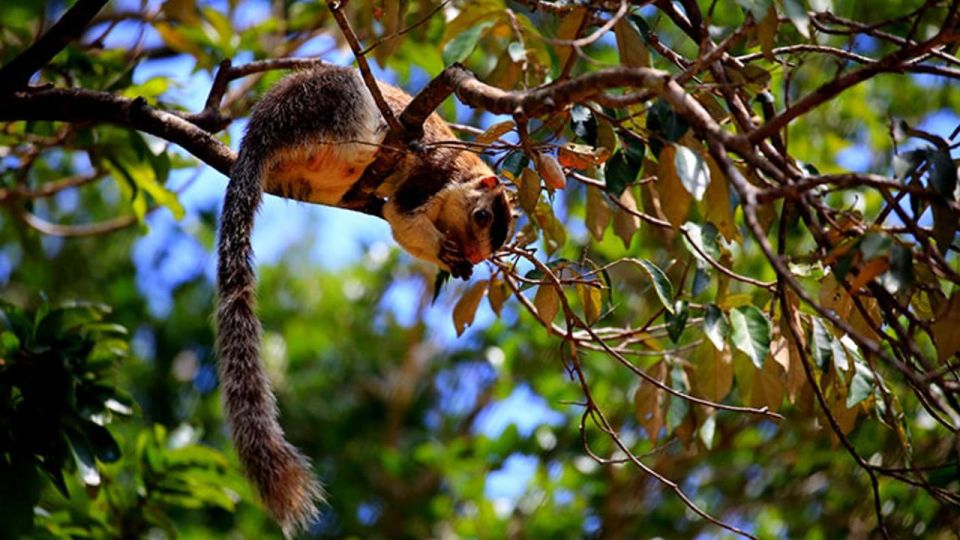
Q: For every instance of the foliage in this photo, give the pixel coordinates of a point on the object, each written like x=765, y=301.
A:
x=731, y=301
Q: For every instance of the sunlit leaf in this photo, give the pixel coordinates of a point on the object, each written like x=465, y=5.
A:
x=751, y=333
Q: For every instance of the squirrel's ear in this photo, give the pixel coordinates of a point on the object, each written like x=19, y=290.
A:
x=489, y=182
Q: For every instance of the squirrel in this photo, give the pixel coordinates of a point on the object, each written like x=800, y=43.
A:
x=309, y=139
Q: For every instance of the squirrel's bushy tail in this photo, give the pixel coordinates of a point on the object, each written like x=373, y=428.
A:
x=280, y=472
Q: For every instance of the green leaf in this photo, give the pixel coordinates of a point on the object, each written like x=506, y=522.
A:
x=460, y=47
x=862, y=385
x=660, y=284
x=751, y=333
x=620, y=172
x=821, y=343
x=665, y=124
x=678, y=407
x=677, y=321
x=715, y=326
x=757, y=8
x=693, y=171
x=798, y=16
x=634, y=148
x=943, y=174
x=102, y=442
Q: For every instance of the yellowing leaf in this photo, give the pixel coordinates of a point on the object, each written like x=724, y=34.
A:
x=499, y=292
x=547, y=302
x=466, y=308
x=767, y=32
x=630, y=45
x=716, y=202
x=592, y=300
x=495, y=131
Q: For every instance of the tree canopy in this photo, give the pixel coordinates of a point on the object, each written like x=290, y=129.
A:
x=731, y=306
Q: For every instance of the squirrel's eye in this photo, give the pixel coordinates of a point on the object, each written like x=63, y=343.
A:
x=482, y=217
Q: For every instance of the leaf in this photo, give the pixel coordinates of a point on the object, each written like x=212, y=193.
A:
x=899, y=277
x=648, y=403
x=861, y=386
x=798, y=16
x=460, y=47
x=716, y=205
x=767, y=32
x=707, y=431
x=620, y=172
x=495, y=131
x=660, y=284
x=581, y=156
x=756, y=8
x=702, y=239
x=551, y=172
x=547, y=302
x=498, y=294
x=583, y=124
x=713, y=372
x=715, y=326
x=592, y=299
x=677, y=321
x=665, y=124
x=677, y=408
x=466, y=308
x=692, y=171
x=529, y=193
x=567, y=28
x=598, y=213
x=630, y=45
x=102, y=442
x=675, y=200
x=821, y=344
x=751, y=333
x=514, y=164
x=625, y=223
x=946, y=329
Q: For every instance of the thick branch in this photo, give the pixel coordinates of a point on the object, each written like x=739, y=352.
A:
x=18, y=72
x=77, y=105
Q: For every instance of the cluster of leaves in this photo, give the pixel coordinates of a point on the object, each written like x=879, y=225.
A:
x=57, y=381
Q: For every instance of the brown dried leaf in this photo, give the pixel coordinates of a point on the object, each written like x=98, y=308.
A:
x=648, y=402
x=551, y=172
x=675, y=200
x=946, y=330
x=598, y=213
x=713, y=373
x=625, y=224
x=466, y=308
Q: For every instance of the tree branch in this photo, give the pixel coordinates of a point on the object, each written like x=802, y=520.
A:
x=18, y=72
